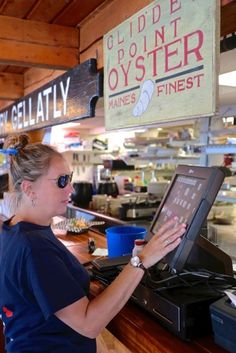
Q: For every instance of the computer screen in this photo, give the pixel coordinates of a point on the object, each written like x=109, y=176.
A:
x=189, y=198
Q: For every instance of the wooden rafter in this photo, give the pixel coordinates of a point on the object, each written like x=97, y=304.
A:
x=228, y=16
x=11, y=86
x=31, y=43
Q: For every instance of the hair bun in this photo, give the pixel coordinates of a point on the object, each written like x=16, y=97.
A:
x=17, y=141
x=23, y=140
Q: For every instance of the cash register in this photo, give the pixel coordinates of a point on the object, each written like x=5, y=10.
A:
x=178, y=290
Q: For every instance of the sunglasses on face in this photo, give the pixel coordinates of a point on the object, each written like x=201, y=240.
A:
x=63, y=180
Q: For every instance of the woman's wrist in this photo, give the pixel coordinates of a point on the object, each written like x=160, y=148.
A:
x=144, y=261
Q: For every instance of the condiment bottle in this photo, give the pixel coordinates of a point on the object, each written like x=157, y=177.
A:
x=138, y=246
x=153, y=177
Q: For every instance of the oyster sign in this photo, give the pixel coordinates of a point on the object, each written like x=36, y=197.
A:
x=160, y=64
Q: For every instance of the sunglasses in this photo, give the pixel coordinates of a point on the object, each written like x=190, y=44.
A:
x=63, y=180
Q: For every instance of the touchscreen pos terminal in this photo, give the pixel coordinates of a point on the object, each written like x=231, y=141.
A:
x=189, y=198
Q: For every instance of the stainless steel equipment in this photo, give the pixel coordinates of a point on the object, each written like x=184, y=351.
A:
x=139, y=208
x=140, y=212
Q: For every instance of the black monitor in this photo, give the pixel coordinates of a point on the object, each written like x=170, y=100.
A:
x=189, y=197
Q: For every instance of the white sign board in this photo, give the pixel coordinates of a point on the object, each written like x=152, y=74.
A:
x=160, y=64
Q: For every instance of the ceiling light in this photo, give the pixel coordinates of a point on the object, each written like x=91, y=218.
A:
x=228, y=79
x=139, y=131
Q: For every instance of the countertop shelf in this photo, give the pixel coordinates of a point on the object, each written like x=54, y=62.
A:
x=224, y=131
x=183, y=143
x=226, y=196
x=145, y=141
x=219, y=149
x=188, y=159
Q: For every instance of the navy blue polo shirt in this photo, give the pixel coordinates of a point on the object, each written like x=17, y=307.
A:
x=39, y=276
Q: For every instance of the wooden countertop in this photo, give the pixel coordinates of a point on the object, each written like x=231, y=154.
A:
x=135, y=328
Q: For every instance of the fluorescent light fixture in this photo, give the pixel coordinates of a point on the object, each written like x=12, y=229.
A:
x=228, y=120
x=139, y=130
x=228, y=79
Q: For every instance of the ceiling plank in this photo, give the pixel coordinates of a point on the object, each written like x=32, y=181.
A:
x=11, y=86
x=35, y=78
x=5, y=103
x=17, y=8
x=76, y=11
x=3, y=68
x=225, y=2
x=94, y=51
x=228, y=16
x=16, y=69
x=43, y=13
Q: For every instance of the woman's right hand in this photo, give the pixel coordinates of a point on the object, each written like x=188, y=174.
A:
x=165, y=240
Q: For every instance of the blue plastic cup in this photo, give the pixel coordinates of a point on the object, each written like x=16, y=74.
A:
x=120, y=239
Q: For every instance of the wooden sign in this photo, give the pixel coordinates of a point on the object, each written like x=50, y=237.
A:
x=161, y=64
x=69, y=97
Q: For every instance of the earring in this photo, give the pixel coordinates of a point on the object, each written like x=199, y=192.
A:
x=33, y=202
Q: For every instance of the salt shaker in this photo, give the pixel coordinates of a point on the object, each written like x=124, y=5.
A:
x=138, y=246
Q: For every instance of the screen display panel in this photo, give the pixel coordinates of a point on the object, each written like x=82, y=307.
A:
x=189, y=198
x=182, y=200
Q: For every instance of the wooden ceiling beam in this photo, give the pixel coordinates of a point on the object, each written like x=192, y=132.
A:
x=5, y=103
x=21, y=30
x=37, y=77
x=228, y=15
x=31, y=43
x=25, y=54
x=11, y=86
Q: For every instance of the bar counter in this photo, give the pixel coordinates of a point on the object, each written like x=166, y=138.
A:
x=134, y=327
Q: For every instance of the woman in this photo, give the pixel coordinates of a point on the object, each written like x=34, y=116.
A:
x=44, y=289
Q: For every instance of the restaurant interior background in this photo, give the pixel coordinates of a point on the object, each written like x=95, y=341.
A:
x=153, y=151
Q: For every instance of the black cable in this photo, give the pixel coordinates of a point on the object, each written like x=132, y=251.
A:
x=214, y=281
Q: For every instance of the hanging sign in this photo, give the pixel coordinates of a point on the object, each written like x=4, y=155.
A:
x=69, y=97
x=160, y=64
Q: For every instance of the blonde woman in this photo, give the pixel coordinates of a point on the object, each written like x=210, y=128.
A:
x=44, y=289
